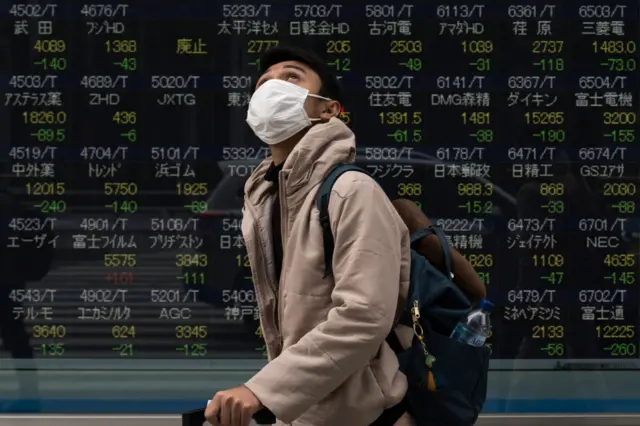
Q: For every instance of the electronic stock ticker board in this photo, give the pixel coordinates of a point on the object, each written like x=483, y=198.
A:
x=513, y=125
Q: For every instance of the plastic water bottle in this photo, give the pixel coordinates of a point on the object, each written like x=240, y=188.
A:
x=476, y=326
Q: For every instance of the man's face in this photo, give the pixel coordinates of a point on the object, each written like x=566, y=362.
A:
x=301, y=75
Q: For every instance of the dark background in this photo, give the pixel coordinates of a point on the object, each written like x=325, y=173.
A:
x=213, y=125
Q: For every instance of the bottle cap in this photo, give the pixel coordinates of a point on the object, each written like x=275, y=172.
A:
x=486, y=305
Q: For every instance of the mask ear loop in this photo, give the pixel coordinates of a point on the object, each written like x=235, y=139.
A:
x=319, y=97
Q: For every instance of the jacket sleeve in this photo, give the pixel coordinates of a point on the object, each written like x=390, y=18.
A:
x=367, y=264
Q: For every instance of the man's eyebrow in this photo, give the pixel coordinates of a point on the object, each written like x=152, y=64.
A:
x=295, y=67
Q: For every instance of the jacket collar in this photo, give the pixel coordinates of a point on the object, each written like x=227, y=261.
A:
x=324, y=146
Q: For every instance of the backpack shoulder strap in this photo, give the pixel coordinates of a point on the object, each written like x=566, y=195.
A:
x=439, y=233
x=322, y=203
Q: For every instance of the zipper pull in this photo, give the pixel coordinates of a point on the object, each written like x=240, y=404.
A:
x=415, y=311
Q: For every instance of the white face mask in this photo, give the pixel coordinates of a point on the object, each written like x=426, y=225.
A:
x=276, y=111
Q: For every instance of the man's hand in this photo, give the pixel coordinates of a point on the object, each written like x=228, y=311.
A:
x=233, y=407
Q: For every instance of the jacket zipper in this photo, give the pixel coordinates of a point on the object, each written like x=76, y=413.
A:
x=260, y=248
x=284, y=231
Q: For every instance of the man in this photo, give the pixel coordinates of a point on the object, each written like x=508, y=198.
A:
x=329, y=363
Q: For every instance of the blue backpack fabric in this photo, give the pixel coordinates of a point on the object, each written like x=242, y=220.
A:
x=447, y=379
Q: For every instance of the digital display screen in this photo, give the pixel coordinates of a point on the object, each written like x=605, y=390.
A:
x=125, y=148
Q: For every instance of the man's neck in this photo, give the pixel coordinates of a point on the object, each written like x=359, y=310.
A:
x=281, y=151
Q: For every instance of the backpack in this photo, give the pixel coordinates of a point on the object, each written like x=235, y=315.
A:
x=447, y=380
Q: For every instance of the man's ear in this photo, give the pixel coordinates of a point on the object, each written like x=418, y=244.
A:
x=331, y=109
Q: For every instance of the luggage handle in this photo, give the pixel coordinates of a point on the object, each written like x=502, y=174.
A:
x=196, y=417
